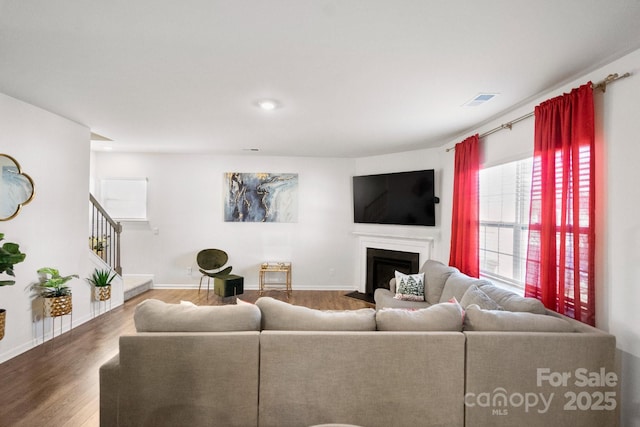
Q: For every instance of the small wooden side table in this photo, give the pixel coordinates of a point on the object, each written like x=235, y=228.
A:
x=266, y=268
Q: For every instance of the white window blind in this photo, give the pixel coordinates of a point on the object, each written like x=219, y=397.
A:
x=504, y=216
x=125, y=198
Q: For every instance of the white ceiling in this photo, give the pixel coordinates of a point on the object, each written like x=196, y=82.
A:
x=355, y=77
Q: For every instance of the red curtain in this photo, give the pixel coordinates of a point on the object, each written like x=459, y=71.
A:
x=560, y=256
x=464, y=223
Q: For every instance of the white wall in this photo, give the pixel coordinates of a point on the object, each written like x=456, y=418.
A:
x=185, y=210
x=52, y=229
x=618, y=204
x=620, y=256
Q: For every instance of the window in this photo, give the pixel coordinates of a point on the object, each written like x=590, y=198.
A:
x=125, y=198
x=504, y=220
x=573, y=231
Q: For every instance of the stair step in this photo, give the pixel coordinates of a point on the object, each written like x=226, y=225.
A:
x=135, y=284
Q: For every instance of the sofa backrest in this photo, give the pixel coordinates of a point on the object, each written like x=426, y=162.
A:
x=512, y=302
x=363, y=378
x=280, y=315
x=153, y=315
x=189, y=379
x=436, y=275
x=457, y=285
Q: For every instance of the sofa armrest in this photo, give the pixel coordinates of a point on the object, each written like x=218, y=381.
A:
x=392, y=285
x=109, y=386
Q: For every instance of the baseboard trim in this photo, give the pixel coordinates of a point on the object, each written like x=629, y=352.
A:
x=254, y=287
x=47, y=325
x=16, y=351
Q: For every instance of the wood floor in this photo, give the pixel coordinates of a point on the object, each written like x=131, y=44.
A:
x=56, y=384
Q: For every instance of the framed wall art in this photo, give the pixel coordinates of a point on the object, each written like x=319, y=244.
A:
x=260, y=197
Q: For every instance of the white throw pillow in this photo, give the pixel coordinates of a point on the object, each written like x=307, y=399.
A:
x=409, y=287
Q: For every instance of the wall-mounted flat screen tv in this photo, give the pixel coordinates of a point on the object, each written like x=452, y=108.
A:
x=402, y=198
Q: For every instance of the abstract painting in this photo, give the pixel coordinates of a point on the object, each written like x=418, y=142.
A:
x=261, y=197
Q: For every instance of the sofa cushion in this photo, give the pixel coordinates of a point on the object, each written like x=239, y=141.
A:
x=511, y=301
x=409, y=287
x=435, y=277
x=475, y=296
x=279, y=315
x=385, y=299
x=477, y=319
x=153, y=315
x=454, y=301
x=445, y=316
x=457, y=284
x=381, y=379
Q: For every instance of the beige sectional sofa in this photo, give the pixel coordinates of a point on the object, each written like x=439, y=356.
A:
x=276, y=364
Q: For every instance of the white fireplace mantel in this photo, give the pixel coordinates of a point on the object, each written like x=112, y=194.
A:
x=417, y=244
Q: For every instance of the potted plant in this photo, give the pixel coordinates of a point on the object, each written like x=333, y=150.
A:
x=56, y=293
x=99, y=245
x=101, y=280
x=9, y=256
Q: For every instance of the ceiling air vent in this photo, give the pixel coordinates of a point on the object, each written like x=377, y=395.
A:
x=480, y=99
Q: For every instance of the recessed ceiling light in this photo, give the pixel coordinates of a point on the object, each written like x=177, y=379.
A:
x=268, y=104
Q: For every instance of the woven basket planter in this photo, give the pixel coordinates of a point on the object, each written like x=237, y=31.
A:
x=3, y=317
x=101, y=293
x=57, y=306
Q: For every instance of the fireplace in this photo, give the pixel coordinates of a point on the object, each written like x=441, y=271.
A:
x=418, y=247
x=382, y=265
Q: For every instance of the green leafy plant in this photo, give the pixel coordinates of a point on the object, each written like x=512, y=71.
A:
x=99, y=244
x=9, y=256
x=52, y=284
x=101, y=278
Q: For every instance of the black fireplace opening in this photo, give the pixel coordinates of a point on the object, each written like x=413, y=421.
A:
x=382, y=265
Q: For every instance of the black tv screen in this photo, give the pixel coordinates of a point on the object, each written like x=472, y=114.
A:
x=403, y=198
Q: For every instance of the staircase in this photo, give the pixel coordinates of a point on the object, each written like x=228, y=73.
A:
x=135, y=284
x=104, y=238
x=104, y=242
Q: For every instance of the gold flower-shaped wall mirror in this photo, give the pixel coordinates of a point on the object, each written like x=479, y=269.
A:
x=16, y=188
